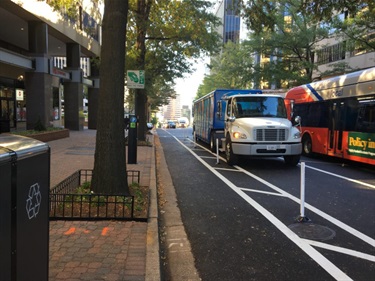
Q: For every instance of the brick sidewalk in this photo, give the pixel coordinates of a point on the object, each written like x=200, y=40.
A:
x=101, y=250
x=95, y=250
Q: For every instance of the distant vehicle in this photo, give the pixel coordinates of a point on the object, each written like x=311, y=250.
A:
x=182, y=122
x=171, y=125
x=150, y=126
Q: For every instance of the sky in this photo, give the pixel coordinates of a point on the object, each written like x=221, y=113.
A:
x=187, y=88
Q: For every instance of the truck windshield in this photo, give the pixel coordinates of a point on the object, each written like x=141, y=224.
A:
x=259, y=107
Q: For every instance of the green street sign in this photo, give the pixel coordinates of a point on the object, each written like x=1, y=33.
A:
x=135, y=79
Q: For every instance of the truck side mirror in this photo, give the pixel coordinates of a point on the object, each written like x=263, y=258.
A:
x=297, y=121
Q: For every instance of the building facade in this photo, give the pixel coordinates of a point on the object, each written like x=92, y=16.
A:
x=335, y=50
x=44, y=60
x=229, y=14
x=172, y=111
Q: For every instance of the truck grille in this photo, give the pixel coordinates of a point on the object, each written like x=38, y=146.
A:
x=270, y=134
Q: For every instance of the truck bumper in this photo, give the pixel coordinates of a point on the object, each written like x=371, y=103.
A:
x=267, y=149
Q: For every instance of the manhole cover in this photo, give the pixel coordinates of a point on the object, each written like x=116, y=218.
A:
x=312, y=231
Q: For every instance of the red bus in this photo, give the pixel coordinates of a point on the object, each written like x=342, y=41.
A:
x=338, y=116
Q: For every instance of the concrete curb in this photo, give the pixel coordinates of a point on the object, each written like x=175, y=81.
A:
x=152, y=243
x=177, y=246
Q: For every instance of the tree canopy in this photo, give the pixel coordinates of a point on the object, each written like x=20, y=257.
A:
x=163, y=37
x=287, y=35
x=231, y=69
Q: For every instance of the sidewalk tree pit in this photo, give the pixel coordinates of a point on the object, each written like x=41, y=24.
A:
x=73, y=199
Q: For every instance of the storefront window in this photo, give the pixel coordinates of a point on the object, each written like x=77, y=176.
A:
x=7, y=105
x=6, y=92
x=55, y=104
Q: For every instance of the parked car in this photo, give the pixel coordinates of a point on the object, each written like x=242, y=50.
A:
x=171, y=125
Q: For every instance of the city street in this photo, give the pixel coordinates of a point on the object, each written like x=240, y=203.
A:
x=242, y=224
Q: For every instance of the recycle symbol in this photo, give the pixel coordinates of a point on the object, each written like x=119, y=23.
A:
x=33, y=202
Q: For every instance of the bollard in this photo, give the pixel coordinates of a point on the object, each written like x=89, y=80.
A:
x=302, y=217
x=217, y=151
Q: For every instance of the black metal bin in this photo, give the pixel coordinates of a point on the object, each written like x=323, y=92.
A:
x=24, y=204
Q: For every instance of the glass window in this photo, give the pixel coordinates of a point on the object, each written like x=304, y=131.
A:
x=366, y=116
x=260, y=107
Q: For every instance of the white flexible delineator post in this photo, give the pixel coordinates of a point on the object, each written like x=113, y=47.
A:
x=302, y=209
x=217, y=151
x=302, y=217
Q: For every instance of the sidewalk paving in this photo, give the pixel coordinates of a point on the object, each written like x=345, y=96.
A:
x=102, y=250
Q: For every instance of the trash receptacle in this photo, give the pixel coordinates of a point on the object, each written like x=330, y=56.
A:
x=24, y=208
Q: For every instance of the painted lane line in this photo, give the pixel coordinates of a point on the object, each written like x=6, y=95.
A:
x=326, y=264
x=341, y=250
x=226, y=169
x=208, y=157
x=263, y=192
x=331, y=219
x=313, y=168
x=320, y=244
x=342, y=177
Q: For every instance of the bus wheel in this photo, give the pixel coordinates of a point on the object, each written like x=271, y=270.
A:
x=212, y=143
x=306, y=145
x=232, y=159
x=291, y=160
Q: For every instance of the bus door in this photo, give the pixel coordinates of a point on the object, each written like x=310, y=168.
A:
x=335, y=128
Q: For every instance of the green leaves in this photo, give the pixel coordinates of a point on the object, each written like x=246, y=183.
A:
x=173, y=33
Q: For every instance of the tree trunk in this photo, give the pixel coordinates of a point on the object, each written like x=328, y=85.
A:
x=144, y=7
x=141, y=111
x=109, y=175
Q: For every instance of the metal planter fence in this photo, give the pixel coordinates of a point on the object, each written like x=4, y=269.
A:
x=72, y=200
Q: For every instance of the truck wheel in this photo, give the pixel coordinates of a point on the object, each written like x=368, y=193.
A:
x=212, y=143
x=307, y=145
x=232, y=159
x=292, y=160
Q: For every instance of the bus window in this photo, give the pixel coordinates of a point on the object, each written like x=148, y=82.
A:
x=366, y=116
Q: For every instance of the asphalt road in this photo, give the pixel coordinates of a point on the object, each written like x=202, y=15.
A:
x=242, y=221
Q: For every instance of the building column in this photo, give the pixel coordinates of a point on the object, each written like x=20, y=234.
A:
x=73, y=89
x=38, y=83
x=93, y=98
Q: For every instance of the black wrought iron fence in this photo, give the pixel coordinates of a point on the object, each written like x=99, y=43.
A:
x=73, y=199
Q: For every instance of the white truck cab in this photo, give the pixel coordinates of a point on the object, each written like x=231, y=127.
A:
x=257, y=125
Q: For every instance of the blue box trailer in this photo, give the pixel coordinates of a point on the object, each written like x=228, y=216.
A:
x=207, y=125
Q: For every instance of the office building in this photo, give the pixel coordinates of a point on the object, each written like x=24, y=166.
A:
x=45, y=61
x=230, y=17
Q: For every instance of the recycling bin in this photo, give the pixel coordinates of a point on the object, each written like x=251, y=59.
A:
x=24, y=206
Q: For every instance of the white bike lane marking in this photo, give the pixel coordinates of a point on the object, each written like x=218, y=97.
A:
x=342, y=177
x=331, y=219
x=304, y=244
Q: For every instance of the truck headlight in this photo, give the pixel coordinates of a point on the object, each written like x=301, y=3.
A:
x=297, y=135
x=238, y=135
